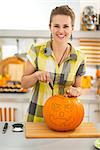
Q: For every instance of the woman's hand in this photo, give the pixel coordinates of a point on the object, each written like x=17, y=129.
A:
x=43, y=76
x=73, y=92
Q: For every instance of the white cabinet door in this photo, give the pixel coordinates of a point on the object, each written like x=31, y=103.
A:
x=94, y=114
x=24, y=110
x=86, y=112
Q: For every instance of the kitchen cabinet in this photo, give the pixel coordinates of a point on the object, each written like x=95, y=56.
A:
x=18, y=101
x=90, y=100
x=17, y=106
x=92, y=112
x=21, y=109
x=24, y=110
x=86, y=114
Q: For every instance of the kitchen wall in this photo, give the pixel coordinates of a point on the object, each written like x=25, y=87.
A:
x=32, y=15
x=26, y=15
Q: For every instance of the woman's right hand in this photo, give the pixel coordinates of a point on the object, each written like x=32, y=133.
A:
x=43, y=76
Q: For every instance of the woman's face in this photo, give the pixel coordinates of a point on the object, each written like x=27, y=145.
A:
x=61, y=28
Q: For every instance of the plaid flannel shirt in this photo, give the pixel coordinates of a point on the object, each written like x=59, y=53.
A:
x=42, y=58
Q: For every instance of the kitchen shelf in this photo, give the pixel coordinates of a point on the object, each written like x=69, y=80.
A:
x=45, y=34
x=24, y=34
x=89, y=96
x=86, y=34
x=15, y=97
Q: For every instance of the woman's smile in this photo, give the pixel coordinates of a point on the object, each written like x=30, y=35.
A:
x=60, y=36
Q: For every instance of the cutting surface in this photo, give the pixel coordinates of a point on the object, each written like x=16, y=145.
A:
x=40, y=130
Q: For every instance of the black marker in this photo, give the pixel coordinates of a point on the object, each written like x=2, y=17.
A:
x=5, y=128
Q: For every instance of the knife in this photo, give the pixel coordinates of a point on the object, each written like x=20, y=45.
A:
x=51, y=85
x=5, y=128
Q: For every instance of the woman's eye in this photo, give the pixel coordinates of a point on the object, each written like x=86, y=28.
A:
x=56, y=26
x=66, y=26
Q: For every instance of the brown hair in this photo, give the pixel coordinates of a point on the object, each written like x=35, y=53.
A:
x=63, y=10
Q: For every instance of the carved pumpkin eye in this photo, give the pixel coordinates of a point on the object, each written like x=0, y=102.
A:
x=66, y=107
x=55, y=106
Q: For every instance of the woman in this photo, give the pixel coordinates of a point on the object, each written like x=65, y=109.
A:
x=54, y=67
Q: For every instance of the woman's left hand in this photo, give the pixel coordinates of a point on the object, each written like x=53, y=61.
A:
x=73, y=92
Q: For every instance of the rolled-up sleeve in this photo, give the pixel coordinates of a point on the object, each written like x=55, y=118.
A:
x=31, y=55
x=82, y=69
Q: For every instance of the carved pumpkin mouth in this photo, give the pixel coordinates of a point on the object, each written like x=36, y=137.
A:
x=55, y=120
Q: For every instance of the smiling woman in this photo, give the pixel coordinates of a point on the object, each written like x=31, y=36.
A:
x=55, y=62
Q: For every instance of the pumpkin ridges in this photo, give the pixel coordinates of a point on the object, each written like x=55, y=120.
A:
x=74, y=118
x=81, y=113
x=60, y=106
x=74, y=122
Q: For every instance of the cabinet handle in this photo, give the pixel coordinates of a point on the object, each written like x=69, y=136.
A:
x=97, y=110
x=0, y=114
x=5, y=114
x=10, y=114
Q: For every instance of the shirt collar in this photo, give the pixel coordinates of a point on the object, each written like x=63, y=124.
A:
x=48, y=51
x=73, y=54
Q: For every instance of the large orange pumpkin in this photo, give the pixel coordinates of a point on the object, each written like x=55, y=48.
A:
x=63, y=114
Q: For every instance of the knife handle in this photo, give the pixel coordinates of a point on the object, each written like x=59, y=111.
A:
x=5, y=128
x=51, y=85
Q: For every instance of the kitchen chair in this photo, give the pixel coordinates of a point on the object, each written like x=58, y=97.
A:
x=8, y=114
